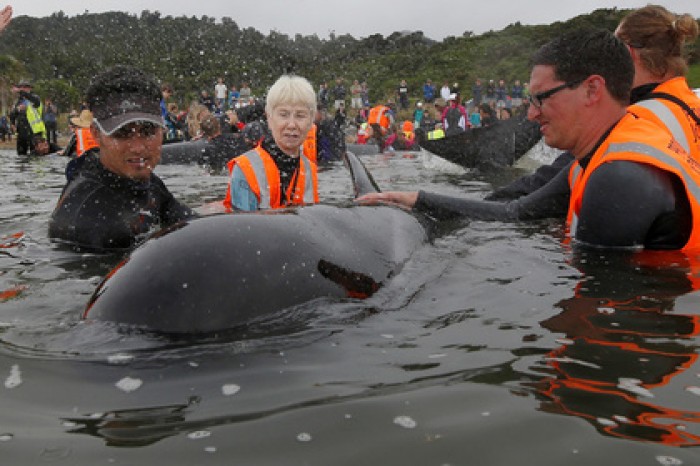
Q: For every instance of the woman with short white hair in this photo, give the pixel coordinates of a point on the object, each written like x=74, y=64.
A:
x=280, y=171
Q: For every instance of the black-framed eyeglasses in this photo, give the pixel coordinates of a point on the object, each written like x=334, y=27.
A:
x=537, y=99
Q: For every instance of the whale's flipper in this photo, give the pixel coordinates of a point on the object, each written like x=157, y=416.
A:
x=362, y=180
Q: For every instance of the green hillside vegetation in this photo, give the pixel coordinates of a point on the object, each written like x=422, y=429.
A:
x=61, y=54
x=694, y=75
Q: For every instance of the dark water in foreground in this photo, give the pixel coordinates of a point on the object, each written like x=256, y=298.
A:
x=495, y=345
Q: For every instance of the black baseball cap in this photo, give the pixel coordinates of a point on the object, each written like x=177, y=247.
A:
x=123, y=95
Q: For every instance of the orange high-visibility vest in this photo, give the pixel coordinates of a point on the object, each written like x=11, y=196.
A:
x=379, y=116
x=263, y=177
x=310, y=144
x=638, y=140
x=675, y=117
x=84, y=141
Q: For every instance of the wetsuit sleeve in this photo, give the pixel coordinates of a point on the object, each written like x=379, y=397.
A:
x=530, y=183
x=92, y=216
x=71, y=147
x=34, y=99
x=88, y=225
x=242, y=197
x=549, y=201
x=172, y=211
x=628, y=204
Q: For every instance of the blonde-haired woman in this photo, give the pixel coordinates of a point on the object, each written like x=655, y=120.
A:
x=195, y=114
x=656, y=39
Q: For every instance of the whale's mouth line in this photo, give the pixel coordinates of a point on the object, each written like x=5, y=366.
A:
x=357, y=284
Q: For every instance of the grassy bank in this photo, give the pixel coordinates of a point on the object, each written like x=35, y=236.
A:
x=694, y=76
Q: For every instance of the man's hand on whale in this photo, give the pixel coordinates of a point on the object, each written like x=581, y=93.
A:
x=405, y=200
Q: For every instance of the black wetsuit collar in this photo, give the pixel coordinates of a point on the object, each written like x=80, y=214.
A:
x=640, y=93
x=583, y=162
x=286, y=165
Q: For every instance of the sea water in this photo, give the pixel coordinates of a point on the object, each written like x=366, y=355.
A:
x=496, y=344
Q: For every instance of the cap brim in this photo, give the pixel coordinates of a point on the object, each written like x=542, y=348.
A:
x=109, y=125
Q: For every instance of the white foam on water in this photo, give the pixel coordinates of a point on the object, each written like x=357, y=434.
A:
x=405, y=421
x=129, y=384
x=14, y=380
x=230, y=389
x=668, y=460
x=693, y=389
x=539, y=154
x=198, y=434
x=437, y=163
x=119, y=358
x=634, y=386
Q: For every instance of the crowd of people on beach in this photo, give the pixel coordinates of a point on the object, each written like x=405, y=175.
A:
x=349, y=110
x=580, y=89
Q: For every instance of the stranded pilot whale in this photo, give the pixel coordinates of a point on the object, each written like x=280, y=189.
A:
x=223, y=271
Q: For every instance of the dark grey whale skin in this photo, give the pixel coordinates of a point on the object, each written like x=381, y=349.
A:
x=487, y=148
x=223, y=271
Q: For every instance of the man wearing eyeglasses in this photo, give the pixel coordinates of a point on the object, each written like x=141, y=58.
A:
x=631, y=184
x=114, y=199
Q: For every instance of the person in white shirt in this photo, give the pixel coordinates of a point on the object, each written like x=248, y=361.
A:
x=220, y=92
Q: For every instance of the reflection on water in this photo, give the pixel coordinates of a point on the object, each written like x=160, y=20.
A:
x=132, y=427
x=622, y=342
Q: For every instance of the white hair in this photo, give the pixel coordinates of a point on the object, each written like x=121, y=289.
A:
x=291, y=90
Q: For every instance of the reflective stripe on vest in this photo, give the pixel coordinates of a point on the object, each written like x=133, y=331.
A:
x=258, y=166
x=667, y=117
x=436, y=134
x=84, y=141
x=267, y=197
x=308, y=181
x=378, y=116
x=35, y=119
x=651, y=151
x=310, y=144
x=575, y=173
x=666, y=162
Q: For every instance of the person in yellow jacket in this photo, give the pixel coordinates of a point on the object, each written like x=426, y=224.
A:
x=27, y=117
x=278, y=173
x=655, y=38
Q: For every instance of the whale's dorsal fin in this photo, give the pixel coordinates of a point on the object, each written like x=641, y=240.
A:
x=362, y=180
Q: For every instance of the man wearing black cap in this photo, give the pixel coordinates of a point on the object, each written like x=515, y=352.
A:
x=114, y=199
x=27, y=117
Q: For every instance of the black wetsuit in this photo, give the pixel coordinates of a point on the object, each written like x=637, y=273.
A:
x=21, y=122
x=330, y=141
x=53, y=148
x=549, y=201
x=220, y=149
x=100, y=211
x=530, y=183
